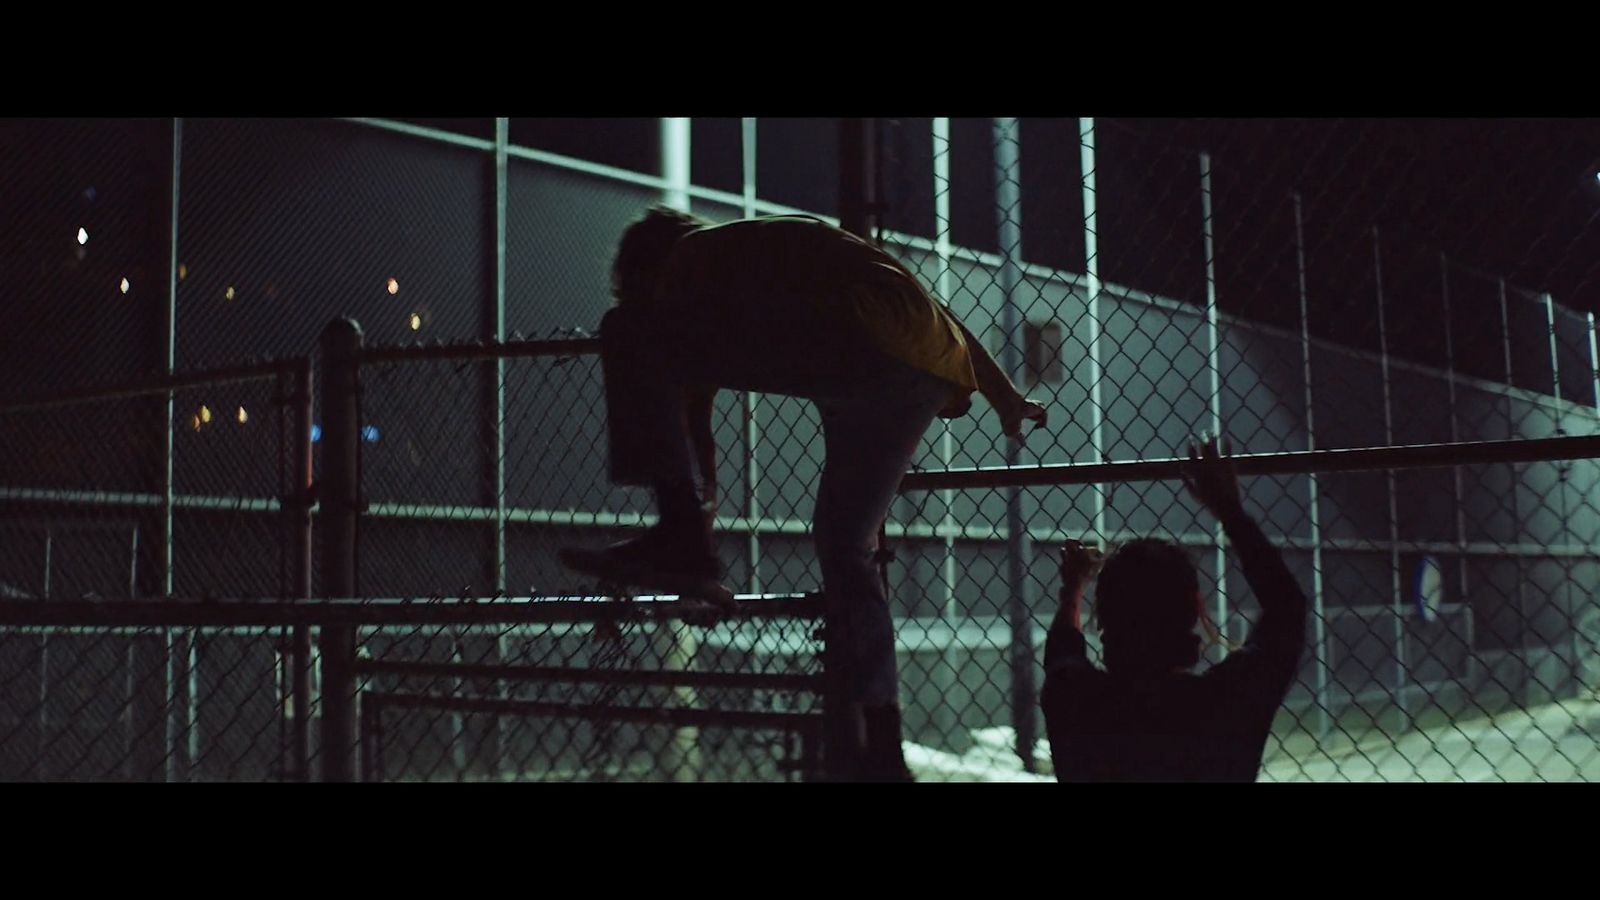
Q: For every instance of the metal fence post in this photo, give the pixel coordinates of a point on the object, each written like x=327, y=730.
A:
x=857, y=215
x=340, y=495
x=1019, y=545
x=298, y=509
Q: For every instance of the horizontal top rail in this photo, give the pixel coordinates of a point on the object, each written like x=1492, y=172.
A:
x=188, y=613
x=482, y=350
x=159, y=384
x=1415, y=456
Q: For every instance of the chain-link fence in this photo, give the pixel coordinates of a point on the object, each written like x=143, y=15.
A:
x=479, y=509
x=1299, y=285
x=184, y=485
x=618, y=694
x=1453, y=633
x=544, y=689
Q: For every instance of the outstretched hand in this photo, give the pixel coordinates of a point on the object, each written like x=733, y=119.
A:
x=1080, y=563
x=1210, y=474
x=1016, y=409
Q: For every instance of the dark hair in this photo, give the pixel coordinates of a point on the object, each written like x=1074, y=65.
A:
x=1145, y=603
x=643, y=251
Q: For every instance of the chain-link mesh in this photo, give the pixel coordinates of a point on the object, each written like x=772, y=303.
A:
x=1290, y=291
x=446, y=514
x=98, y=505
x=99, y=508
x=91, y=703
x=627, y=696
x=1300, y=285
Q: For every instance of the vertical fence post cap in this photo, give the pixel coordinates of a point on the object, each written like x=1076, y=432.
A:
x=341, y=331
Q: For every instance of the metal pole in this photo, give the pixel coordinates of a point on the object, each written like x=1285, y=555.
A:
x=675, y=162
x=1091, y=266
x=340, y=500
x=300, y=395
x=857, y=200
x=130, y=659
x=946, y=718
x=1019, y=545
x=1214, y=367
x=860, y=137
x=1319, y=615
x=1594, y=360
x=497, y=326
x=458, y=722
x=497, y=323
x=1295, y=462
x=1455, y=471
x=39, y=770
x=172, y=644
x=1555, y=360
x=684, y=762
x=1401, y=664
x=1594, y=373
x=1561, y=483
x=751, y=430
x=840, y=728
x=1513, y=429
x=192, y=700
x=170, y=359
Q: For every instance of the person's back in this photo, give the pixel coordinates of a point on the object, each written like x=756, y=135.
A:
x=761, y=269
x=1172, y=727
x=775, y=256
x=1146, y=717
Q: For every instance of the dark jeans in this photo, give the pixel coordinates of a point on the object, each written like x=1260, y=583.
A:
x=874, y=411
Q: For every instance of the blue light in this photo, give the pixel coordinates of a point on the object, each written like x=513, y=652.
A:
x=369, y=434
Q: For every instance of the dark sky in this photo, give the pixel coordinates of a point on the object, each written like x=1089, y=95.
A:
x=1516, y=197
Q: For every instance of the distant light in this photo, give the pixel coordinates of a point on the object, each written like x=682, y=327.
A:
x=228, y=294
x=83, y=236
x=416, y=322
x=369, y=433
x=205, y=413
x=243, y=416
x=1597, y=176
x=124, y=285
x=316, y=433
x=394, y=286
x=182, y=271
x=194, y=421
